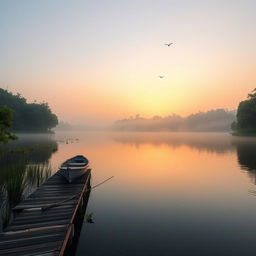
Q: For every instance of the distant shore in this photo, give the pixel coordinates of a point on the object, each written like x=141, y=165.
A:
x=243, y=134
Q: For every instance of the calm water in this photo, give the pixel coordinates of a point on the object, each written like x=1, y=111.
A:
x=172, y=194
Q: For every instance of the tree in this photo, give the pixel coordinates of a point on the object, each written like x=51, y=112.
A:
x=28, y=117
x=234, y=126
x=246, y=114
x=252, y=95
x=6, y=115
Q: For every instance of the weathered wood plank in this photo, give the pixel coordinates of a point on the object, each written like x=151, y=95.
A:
x=15, y=227
x=47, y=200
x=47, y=247
x=32, y=232
x=41, y=219
x=39, y=213
x=47, y=232
x=31, y=240
x=33, y=211
x=36, y=205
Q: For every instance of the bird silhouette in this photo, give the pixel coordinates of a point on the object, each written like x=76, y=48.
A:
x=169, y=44
x=161, y=77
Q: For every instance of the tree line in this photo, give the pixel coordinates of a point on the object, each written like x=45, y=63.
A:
x=246, y=116
x=217, y=120
x=242, y=121
x=20, y=116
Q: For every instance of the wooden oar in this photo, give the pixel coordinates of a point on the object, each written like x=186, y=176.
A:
x=44, y=208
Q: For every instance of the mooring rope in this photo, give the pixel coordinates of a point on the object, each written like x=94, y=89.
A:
x=44, y=208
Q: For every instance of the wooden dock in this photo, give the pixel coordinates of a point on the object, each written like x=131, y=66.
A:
x=49, y=232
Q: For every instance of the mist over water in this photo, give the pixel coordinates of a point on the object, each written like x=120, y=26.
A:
x=216, y=120
x=172, y=193
x=149, y=92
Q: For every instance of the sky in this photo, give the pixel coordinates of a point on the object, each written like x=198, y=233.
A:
x=98, y=61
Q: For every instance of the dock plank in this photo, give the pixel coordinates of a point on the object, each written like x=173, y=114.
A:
x=34, y=231
x=41, y=247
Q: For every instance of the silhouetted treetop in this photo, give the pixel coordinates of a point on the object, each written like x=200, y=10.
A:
x=252, y=96
x=28, y=117
x=214, y=120
x=246, y=115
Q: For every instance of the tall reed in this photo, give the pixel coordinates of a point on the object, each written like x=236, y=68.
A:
x=36, y=174
x=17, y=181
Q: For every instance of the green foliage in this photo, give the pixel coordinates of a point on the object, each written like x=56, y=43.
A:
x=24, y=165
x=13, y=182
x=28, y=117
x=88, y=217
x=246, y=115
x=6, y=115
x=252, y=95
x=234, y=126
x=17, y=180
x=37, y=174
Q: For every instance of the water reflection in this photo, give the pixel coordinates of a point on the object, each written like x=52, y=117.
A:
x=29, y=148
x=173, y=194
x=218, y=143
x=210, y=142
x=24, y=166
x=246, y=155
x=186, y=188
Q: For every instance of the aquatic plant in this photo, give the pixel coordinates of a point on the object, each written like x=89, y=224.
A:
x=17, y=181
x=36, y=174
x=88, y=217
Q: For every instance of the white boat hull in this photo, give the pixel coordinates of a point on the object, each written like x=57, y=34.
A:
x=73, y=173
x=74, y=168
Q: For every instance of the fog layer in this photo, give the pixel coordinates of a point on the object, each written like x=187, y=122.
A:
x=211, y=121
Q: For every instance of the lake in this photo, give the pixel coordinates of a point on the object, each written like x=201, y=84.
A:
x=172, y=193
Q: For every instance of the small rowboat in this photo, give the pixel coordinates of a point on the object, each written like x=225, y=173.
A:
x=74, y=167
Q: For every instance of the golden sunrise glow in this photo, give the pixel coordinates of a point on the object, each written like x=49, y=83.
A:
x=93, y=71
x=156, y=159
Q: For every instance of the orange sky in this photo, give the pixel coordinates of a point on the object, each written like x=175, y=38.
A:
x=98, y=62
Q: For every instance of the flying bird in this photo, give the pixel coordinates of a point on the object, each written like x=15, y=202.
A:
x=161, y=77
x=169, y=44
